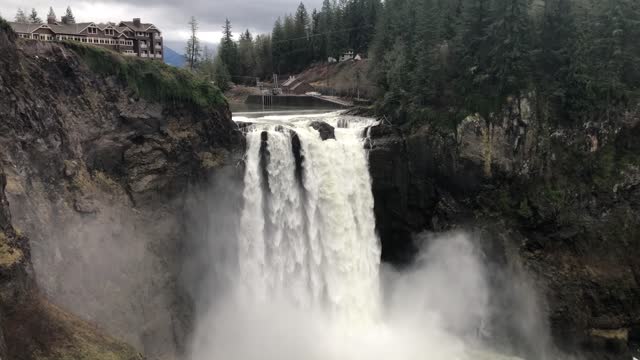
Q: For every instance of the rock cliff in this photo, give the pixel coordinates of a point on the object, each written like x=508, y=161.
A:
x=560, y=203
x=97, y=153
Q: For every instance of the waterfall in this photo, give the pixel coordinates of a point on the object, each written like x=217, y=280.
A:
x=307, y=282
x=307, y=229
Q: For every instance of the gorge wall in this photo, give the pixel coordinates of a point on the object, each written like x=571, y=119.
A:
x=95, y=175
x=559, y=204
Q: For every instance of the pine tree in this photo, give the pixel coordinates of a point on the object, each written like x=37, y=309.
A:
x=473, y=83
x=289, y=51
x=300, y=54
x=264, y=56
x=229, y=49
x=324, y=30
x=21, y=17
x=34, y=18
x=424, y=54
x=51, y=16
x=222, y=77
x=553, y=55
x=278, y=46
x=193, y=50
x=246, y=56
x=510, y=50
x=69, y=18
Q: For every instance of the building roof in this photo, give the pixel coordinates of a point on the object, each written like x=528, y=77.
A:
x=132, y=26
x=24, y=27
x=75, y=29
x=69, y=29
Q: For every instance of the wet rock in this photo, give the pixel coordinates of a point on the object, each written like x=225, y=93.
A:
x=326, y=131
x=90, y=168
x=571, y=230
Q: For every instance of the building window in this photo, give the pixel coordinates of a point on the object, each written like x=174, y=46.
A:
x=108, y=32
x=92, y=30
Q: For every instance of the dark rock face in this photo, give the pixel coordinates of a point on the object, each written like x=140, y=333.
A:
x=16, y=274
x=96, y=179
x=567, y=204
x=326, y=131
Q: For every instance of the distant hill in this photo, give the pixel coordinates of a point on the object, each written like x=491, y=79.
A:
x=173, y=58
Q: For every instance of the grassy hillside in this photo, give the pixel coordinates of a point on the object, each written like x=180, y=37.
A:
x=151, y=80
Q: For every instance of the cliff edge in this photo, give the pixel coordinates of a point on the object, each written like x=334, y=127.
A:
x=97, y=153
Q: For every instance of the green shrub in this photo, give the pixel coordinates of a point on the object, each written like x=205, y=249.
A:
x=151, y=80
x=4, y=26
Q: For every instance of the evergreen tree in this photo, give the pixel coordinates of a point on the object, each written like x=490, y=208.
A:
x=21, y=17
x=278, y=46
x=264, y=56
x=289, y=52
x=474, y=64
x=34, y=18
x=69, y=18
x=246, y=56
x=222, y=77
x=510, y=50
x=325, y=23
x=51, y=16
x=192, y=51
x=228, y=50
x=553, y=55
x=300, y=54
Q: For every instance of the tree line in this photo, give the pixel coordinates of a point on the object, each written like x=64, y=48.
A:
x=242, y=61
x=573, y=60
x=301, y=39
x=441, y=60
x=34, y=18
x=296, y=41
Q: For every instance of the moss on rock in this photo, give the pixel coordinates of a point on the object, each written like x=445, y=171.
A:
x=152, y=80
x=9, y=255
x=43, y=331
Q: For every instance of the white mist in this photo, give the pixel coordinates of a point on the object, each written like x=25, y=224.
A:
x=308, y=283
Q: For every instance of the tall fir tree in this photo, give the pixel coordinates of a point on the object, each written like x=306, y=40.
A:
x=51, y=16
x=34, y=18
x=228, y=49
x=69, y=18
x=192, y=51
x=21, y=17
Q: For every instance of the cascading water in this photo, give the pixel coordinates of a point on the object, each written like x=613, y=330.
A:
x=307, y=282
x=307, y=227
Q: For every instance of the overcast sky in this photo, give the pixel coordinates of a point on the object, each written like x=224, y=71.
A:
x=170, y=16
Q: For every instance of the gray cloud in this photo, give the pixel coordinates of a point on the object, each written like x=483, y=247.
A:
x=172, y=16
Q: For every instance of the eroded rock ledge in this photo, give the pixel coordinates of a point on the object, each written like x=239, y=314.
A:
x=566, y=203
x=96, y=178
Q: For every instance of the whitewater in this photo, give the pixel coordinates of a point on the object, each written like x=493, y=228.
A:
x=308, y=282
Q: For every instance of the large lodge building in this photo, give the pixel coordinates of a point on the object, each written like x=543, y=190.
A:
x=132, y=38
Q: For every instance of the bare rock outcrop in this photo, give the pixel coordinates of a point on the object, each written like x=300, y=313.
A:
x=96, y=177
x=566, y=199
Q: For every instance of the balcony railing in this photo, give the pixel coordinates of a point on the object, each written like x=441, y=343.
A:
x=143, y=46
x=144, y=55
x=158, y=47
x=158, y=56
